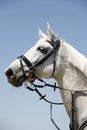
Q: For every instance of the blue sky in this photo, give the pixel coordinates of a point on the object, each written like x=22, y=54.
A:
x=19, y=22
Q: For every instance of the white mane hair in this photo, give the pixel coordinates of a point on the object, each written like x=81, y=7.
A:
x=76, y=58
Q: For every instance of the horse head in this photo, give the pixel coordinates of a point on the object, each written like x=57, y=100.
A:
x=39, y=62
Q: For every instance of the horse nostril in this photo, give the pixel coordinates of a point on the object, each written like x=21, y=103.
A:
x=9, y=73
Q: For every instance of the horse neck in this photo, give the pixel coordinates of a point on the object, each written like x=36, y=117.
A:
x=69, y=77
x=72, y=70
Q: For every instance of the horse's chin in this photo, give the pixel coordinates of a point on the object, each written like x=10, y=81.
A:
x=18, y=82
x=15, y=83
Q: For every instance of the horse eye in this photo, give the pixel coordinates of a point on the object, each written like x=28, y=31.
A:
x=43, y=50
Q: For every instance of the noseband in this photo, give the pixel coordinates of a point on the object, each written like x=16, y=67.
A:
x=32, y=67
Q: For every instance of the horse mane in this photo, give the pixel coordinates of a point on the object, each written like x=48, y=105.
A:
x=76, y=58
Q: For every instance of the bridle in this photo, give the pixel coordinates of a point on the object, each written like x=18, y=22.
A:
x=32, y=67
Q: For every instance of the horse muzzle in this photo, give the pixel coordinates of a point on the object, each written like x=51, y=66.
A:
x=18, y=79
x=12, y=78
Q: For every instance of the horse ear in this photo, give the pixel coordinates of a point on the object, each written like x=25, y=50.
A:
x=50, y=32
x=41, y=34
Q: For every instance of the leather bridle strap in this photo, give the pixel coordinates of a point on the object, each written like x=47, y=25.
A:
x=83, y=125
x=31, y=66
x=26, y=61
x=57, y=45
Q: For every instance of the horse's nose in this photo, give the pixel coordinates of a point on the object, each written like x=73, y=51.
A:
x=9, y=73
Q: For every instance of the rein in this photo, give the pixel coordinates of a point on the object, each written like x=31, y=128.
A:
x=35, y=88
